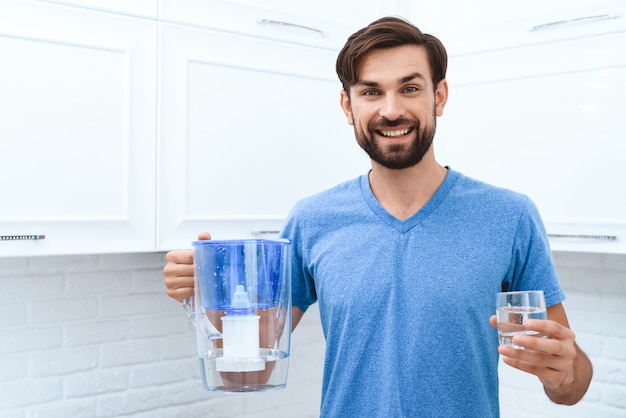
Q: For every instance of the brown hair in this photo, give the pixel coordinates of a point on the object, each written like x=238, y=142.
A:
x=388, y=32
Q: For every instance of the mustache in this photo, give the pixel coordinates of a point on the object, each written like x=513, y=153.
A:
x=388, y=123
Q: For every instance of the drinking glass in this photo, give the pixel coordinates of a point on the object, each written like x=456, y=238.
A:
x=513, y=309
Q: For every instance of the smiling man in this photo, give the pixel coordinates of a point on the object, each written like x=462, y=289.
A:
x=405, y=260
x=393, y=102
x=401, y=114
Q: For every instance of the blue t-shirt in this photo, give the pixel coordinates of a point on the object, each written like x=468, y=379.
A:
x=405, y=305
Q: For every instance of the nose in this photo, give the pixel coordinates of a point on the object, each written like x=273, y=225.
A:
x=391, y=107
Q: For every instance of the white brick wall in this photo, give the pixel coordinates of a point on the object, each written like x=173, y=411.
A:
x=95, y=336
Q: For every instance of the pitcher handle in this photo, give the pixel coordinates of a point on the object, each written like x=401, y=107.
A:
x=188, y=306
x=203, y=324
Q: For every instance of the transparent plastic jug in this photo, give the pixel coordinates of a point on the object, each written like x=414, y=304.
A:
x=242, y=312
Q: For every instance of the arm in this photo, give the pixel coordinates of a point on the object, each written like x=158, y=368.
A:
x=561, y=366
x=296, y=316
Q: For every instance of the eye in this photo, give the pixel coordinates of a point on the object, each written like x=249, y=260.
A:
x=370, y=93
x=411, y=89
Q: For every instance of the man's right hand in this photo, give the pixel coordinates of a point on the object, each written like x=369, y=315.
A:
x=178, y=271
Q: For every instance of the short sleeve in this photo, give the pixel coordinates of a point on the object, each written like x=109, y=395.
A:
x=302, y=282
x=532, y=267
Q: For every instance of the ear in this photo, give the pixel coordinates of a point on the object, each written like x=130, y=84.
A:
x=344, y=101
x=441, y=97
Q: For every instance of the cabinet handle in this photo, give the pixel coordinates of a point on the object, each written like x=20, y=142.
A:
x=584, y=236
x=264, y=232
x=21, y=237
x=273, y=22
x=566, y=22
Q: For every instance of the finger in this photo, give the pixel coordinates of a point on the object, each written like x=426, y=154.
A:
x=550, y=372
x=538, y=354
x=539, y=370
x=180, y=293
x=179, y=257
x=533, y=349
x=174, y=270
x=179, y=287
x=550, y=328
x=179, y=280
x=202, y=236
x=564, y=349
x=493, y=321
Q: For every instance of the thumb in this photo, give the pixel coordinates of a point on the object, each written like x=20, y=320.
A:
x=203, y=236
x=493, y=321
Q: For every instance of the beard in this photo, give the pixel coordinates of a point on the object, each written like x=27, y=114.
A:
x=397, y=156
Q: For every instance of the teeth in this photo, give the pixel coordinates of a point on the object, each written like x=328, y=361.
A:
x=395, y=133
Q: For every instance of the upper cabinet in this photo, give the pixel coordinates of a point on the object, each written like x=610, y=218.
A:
x=77, y=129
x=547, y=120
x=492, y=24
x=142, y=8
x=247, y=127
x=323, y=23
x=249, y=115
x=242, y=120
x=132, y=126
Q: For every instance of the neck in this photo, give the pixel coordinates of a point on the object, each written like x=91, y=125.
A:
x=404, y=192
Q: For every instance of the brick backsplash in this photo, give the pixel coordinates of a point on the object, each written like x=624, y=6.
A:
x=96, y=336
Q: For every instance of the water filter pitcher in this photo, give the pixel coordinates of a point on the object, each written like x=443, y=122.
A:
x=242, y=312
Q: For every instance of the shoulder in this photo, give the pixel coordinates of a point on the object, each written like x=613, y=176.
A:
x=324, y=208
x=342, y=194
x=488, y=197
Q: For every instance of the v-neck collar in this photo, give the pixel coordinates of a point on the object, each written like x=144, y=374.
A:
x=416, y=218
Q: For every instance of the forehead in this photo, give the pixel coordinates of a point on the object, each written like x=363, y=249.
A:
x=391, y=64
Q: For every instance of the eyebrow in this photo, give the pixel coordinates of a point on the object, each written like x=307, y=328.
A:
x=403, y=80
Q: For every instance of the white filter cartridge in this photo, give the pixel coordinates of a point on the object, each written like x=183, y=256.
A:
x=240, y=333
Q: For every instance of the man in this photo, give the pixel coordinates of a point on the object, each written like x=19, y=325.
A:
x=406, y=260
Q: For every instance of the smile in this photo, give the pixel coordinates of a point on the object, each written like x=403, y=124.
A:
x=396, y=133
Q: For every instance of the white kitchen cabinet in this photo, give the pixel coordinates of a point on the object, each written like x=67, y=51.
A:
x=323, y=23
x=78, y=119
x=77, y=130
x=247, y=127
x=492, y=24
x=142, y=8
x=547, y=120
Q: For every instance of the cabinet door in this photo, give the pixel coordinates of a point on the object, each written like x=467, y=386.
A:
x=493, y=24
x=247, y=127
x=323, y=23
x=77, y=129
x=547, y=121
x=143, y=8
